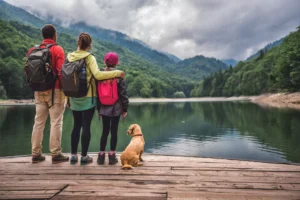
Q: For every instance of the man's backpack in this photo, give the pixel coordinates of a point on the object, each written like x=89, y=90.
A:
x=74, y=78
x=38, y=69
x=108, y=91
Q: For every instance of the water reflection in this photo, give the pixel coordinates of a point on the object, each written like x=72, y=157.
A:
x=236, y=130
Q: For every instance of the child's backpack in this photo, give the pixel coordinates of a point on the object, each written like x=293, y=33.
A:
x=74, y=80
x=108, y=91
x=38, y=69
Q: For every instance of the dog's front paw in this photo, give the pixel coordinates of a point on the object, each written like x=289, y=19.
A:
x=141, y=159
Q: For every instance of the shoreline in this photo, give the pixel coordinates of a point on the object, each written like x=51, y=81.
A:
x=279, y=100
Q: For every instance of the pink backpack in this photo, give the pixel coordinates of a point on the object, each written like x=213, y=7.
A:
x=108, y=92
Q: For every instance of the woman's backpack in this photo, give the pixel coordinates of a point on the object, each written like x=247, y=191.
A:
x=74, y=78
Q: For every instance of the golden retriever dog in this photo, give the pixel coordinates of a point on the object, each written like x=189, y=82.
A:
x=132, y=155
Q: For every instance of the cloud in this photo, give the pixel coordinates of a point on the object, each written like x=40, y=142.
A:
x=214, y=28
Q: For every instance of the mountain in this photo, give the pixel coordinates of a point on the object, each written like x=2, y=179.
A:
x=172, y=57
x=230, y=61
x=163, y=59
x=196, y=68
x=123, y=40
x=143, y=78
x=10, y=12
x=161, y=62
x=277, y=70
x=266, y=48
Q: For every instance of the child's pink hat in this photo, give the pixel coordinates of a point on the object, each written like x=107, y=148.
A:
x=111, y=58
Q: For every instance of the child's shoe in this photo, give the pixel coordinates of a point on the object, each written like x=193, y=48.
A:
x=101, y=158
x=112, y=158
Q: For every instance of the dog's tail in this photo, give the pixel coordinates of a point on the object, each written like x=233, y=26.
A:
x=127, y=166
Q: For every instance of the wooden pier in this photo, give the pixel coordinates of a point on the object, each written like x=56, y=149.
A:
x=161, y=177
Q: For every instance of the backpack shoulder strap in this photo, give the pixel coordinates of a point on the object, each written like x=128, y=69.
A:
x=50, y=45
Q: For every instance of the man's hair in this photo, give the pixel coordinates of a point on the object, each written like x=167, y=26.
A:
x=48, y=31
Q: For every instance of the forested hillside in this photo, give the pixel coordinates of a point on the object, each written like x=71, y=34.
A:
x=266, y=48
x=277, y=70
x=143, y=78
x=123, y=40
x=195, y=68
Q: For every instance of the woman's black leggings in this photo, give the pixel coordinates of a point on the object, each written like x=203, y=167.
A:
x=109, y=124
x=82, y=119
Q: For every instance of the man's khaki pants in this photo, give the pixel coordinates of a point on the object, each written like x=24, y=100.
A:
x=43, y=102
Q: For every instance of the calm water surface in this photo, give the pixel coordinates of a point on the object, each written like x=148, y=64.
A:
x=236, y=130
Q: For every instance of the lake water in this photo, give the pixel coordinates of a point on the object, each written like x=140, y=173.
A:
x=235, y=130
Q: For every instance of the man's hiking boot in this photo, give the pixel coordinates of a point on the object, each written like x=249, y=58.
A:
x=101, y=158
x=86, y=160
x=38, y=158
x=60, y=158
x=74, y=159
x=112, y=159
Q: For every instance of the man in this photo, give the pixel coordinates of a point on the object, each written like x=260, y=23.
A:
x=45, y=105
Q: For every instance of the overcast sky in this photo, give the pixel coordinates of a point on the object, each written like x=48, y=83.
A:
x=185, y=28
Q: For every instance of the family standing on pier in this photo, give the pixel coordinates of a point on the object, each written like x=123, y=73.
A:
x=78, y=83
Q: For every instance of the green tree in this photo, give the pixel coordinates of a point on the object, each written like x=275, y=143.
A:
x=2, y=91
x=179, y=94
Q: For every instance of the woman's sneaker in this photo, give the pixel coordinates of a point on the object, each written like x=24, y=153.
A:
x=74, y=159
x=38, y=158
x=86, y=160
x=101, y=158
x=112, y=159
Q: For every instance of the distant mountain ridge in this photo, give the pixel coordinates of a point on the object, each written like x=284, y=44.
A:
x=266, y=48
x=275, y=71
x=173, y=57
x=190, y=68
x=115, y=37
x=230, y=61
x=196, y=68
x=118, y=38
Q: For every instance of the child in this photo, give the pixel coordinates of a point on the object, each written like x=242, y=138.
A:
x=111, y=113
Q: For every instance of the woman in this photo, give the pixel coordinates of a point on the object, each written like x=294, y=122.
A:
x=83, y=108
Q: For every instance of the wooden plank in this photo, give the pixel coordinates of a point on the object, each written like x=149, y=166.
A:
x=78, y=197
x=174, y=160
x=120, y=185
x=162, y=185
x=142, y=171
x=157, y=178
x=199, y=167
x=26, y=192
x=115, y=193
x=33, y=194
x=247, y=192
x=29, y=188
x=224, y=196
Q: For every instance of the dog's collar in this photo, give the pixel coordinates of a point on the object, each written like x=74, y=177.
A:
x=138, y=135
